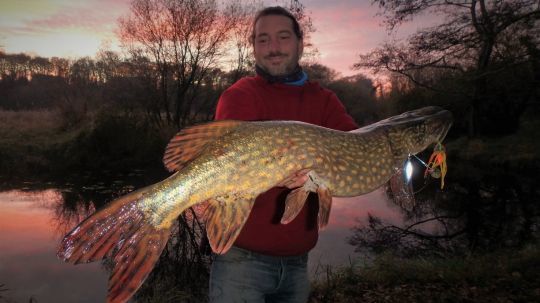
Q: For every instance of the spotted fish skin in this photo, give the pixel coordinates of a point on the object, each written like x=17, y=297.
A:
x=227, y=164
x=255, y=156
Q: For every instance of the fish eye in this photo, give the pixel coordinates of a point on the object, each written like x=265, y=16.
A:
x=421, y=128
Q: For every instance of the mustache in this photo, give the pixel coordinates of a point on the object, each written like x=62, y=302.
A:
x=275, y=54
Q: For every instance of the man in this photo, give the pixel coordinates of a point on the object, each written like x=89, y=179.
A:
x=268, y=262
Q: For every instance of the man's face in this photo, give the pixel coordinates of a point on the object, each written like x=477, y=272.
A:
x=276, y=47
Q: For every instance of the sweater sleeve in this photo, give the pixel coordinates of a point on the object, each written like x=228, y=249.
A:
x=336, y=117
x=235, y=104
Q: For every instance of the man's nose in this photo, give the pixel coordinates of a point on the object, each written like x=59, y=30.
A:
x=274, y=45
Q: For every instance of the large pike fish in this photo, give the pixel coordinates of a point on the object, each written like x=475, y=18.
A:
x=228, y=164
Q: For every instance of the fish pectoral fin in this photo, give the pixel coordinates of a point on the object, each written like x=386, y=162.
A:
x=187, y=144
x=224, y=220
x=325, y=205
x=400, y=191
x=297, y=198
x=294, y=203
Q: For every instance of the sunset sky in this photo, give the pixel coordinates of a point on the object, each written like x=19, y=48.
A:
x=67, y=28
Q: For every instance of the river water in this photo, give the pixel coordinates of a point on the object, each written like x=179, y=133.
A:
x=32, y=223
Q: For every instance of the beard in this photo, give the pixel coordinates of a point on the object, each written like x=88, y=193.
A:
x=285, y=67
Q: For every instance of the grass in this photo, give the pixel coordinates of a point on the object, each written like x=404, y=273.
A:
x=30, y=129
x=36, y=144
x=26, y=137
x=514, y=148
x=503, y=276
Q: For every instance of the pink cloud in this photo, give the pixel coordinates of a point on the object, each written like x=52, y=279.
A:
x=96, y=16
x=72, y=18
x=345, y=29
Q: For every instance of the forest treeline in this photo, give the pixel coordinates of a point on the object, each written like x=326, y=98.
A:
x=177, y=57
x=77, y=87
x=482, y=62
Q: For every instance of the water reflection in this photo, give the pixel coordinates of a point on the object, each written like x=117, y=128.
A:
x=29, y=267
x=332, y=248
x=475, y=210
x=32, y=224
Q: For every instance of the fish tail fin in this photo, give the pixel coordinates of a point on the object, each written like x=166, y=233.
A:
x=121, y=231
x=134, y=262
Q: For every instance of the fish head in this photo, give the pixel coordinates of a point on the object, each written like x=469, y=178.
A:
x=414, y=131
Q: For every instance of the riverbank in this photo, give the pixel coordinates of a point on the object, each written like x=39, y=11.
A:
x=49, y=143
x=510, y=275
x=42, y=145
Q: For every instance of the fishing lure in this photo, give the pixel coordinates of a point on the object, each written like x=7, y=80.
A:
x=436, y=165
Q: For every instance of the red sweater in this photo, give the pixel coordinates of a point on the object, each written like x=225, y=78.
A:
x=251, y=99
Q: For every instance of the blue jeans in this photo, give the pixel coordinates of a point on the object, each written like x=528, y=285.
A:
x=244, y=276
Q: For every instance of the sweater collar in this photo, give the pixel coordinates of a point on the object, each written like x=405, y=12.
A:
x=297, y=78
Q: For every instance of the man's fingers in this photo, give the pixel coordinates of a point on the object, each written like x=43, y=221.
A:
x=286, y=181
x=302, y=172
x=295, y=180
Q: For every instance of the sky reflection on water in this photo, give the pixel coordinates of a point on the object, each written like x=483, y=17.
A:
x=29, y=268
x=332, y=247
x=30, y=234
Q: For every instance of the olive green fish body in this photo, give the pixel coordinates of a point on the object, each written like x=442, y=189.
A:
x=227, y=164
x=258, y=155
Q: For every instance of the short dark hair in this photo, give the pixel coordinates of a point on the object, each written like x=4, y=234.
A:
x=279, y=11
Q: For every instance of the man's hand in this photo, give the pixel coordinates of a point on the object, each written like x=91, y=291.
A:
x=295, y=180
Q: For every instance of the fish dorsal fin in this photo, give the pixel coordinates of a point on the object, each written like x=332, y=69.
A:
x=187, y=144
x=224, y=220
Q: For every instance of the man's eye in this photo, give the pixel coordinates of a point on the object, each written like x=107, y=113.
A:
x=262, y=40
x=285, y=37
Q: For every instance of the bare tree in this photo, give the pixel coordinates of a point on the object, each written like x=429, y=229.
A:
x=306, y=23
x=15, y=65
x=107, y=65
x=321, y=73
x=241, y=50
x=185, y=39
x=60, y=67
x=477, y=40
